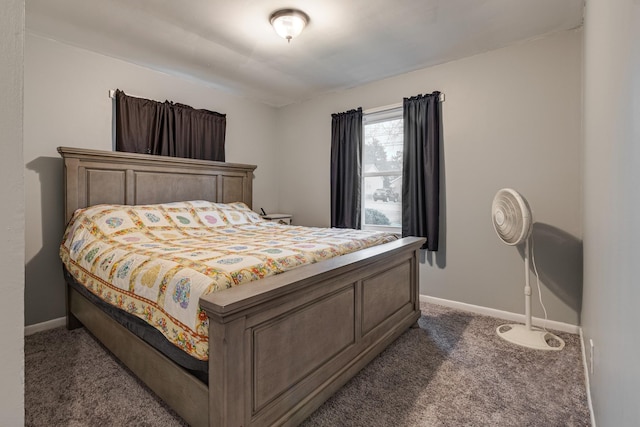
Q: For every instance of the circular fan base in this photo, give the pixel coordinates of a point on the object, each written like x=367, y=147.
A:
x=535, y=338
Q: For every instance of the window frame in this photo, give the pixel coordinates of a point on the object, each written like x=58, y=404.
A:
x=383, y=114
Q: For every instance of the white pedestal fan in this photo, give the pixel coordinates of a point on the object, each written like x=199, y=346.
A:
x=512, y=221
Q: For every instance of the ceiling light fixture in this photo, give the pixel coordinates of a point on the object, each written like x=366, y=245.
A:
x=289, y=23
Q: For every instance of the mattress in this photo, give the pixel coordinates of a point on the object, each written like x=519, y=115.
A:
x=154, y=262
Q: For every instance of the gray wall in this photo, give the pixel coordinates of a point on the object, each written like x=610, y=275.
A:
x=12, y=214
x=612, y=207
x=66, y=103
x=512, y=118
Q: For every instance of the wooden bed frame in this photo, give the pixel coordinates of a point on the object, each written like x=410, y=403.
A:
x=277, y=350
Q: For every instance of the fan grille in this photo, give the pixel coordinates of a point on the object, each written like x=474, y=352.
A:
x=511, y=216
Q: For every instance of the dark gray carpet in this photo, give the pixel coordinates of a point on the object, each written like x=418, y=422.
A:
x=452, y=371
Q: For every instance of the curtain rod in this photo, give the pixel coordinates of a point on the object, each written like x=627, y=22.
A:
x=392, y=106
x=112, y=94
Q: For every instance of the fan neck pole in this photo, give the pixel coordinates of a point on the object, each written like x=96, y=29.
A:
x=527, y=286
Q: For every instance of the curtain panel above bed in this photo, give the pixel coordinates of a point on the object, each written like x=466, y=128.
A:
x=168, y=129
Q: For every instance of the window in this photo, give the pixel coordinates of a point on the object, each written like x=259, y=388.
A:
x=382, y=170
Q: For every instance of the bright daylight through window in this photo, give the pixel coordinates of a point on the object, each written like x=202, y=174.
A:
x=382, y=170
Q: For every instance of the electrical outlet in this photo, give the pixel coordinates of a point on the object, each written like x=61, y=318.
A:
x=591, y=347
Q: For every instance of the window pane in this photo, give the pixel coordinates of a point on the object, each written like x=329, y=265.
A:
x=382, y=200
x=382, y=169
x=383, y=146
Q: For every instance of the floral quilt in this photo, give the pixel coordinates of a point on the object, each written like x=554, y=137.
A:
x=155, y=261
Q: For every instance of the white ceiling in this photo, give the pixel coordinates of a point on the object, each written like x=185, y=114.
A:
x=231, y=45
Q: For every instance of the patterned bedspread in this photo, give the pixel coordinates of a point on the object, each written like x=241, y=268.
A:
x=155, y=261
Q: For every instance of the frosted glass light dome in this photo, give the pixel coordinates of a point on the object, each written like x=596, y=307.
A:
x=289, y=23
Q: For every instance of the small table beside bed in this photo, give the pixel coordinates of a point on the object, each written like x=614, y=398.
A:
x=232, y=320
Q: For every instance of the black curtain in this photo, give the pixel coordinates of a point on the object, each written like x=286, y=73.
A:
x=168, y=129
x=346, y=167
x=421, y=168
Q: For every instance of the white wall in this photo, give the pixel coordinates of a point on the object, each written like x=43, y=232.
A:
x=612, y=207
x=12, y=214
x=512, y=117
x=66, y=104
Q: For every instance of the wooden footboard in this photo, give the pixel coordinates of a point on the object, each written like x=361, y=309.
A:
x=278, y=352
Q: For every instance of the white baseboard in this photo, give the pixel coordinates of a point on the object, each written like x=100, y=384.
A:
x=586, y=378
x=45, y=326
x=506, y=315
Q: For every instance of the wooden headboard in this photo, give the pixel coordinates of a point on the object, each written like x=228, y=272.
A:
x=93, y=177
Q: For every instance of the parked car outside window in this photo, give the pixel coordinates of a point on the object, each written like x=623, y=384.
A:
x=385, y=194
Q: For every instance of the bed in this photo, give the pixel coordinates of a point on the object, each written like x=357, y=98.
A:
x=276, y=351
